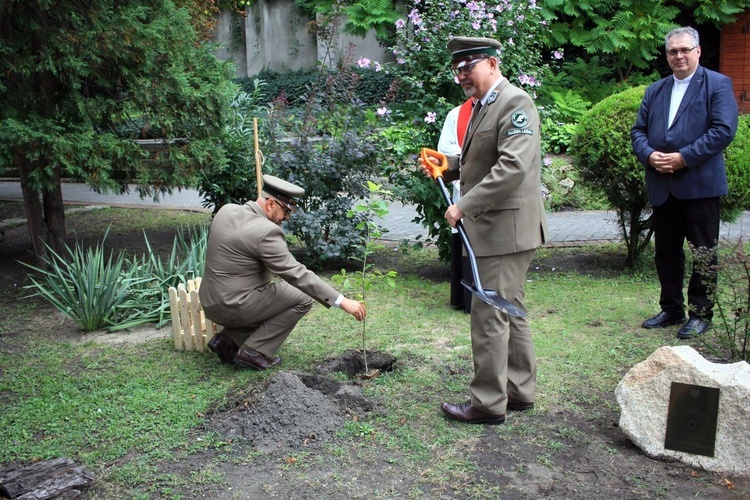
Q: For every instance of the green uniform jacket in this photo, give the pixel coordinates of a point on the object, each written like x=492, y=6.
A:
x=245, y=251
x=500, y=172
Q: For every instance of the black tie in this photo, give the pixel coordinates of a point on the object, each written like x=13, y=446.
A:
x=475, y=114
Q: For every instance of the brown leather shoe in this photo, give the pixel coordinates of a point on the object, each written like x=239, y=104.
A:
x=517, y=405
x=254, y=359
x=465, y=412
x=223, y=346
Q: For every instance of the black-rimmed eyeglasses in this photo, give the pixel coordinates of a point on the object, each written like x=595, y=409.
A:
x=287, y=209
x=684, y=52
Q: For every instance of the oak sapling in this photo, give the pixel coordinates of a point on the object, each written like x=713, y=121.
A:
x=374, y=205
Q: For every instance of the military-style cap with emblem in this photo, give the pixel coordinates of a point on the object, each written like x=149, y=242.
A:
x=465, y=49
x=273, y=187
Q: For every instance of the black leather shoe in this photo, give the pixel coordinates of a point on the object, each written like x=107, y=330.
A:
x=465, y=412
x=254, y=359
x=517, y=405
x=695, y=326
x=223, y=347
x=664, y=319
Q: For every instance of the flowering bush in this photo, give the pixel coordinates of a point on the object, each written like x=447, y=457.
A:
x=428, y=90
x=422, y=59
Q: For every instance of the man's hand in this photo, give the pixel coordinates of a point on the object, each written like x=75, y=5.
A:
x=453, y=215
x=666, y=163
x=426, y=170
x=356, y=309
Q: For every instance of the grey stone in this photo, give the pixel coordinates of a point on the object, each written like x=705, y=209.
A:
x=643, y=396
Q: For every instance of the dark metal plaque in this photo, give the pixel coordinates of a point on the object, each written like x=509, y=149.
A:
x=691, y=419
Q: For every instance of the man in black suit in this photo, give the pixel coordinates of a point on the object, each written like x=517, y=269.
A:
x=684, y=123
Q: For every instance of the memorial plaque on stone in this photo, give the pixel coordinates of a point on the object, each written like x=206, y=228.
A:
x=691, y=419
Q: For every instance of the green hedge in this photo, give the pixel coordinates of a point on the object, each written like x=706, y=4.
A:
x=371, y=89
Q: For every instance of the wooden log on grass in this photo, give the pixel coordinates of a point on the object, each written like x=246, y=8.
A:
x=56, y=478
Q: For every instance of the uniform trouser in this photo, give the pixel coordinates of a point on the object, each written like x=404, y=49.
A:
x=504, y=357
x=267, y=317
x=696, y=221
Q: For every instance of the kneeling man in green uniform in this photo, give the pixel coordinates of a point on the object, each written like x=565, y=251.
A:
x=246, y=249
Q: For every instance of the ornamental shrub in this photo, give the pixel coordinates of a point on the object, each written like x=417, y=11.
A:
x=604, y=157
x=737, y=160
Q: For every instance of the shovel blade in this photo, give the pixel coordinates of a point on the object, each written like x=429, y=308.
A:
x=495, y=300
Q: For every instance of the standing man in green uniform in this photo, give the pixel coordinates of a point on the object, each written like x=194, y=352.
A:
x=503, y=213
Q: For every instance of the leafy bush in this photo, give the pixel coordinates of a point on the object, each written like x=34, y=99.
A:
x=604, y=157
x=333, y=171
x=731, y=332
x=330, y=148
x=234, y=181
x=86, y=286
x=371, y=88
x=737, y=159
x=563, y=190
x=556, y=136
x=149, y=296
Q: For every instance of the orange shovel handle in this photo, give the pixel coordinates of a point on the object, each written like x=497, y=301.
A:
x=436, y=169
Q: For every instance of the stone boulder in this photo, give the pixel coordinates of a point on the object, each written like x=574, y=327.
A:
x=643, y=395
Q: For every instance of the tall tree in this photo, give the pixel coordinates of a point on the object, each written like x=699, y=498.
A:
x=81, y=81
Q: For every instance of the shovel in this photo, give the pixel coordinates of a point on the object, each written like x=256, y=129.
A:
x=489, y=296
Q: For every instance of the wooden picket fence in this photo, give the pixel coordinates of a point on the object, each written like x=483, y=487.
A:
x=191, y=329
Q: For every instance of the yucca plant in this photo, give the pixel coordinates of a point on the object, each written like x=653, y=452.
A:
x=86, y=286
x=113, y=292
x=149, y=300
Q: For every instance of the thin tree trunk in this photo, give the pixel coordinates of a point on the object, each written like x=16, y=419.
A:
x=34, y=215
x=45, y=217
x=54, y=216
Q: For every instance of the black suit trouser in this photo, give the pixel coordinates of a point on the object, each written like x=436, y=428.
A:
x=696, y=221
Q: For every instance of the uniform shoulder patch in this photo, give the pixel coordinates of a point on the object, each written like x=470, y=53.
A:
x=519, y=119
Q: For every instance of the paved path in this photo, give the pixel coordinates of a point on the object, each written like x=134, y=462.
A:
x=566, y=228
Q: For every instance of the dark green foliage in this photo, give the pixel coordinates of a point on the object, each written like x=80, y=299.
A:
x=334, y=172
x=605, y=161
x=326, y=144
x=99, y=290
x=366, y=15
x=81, y=81
x=235, y=181
x=293, y=86
x=737, y=159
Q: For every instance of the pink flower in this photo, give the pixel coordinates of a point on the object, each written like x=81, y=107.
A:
x=400, y=24
x=383, y=111
x=363, y=62
x=431, y=117
x=557, y=54
x=547, y=161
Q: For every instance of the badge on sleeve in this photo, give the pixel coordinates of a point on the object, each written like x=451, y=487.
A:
x=519, y=120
